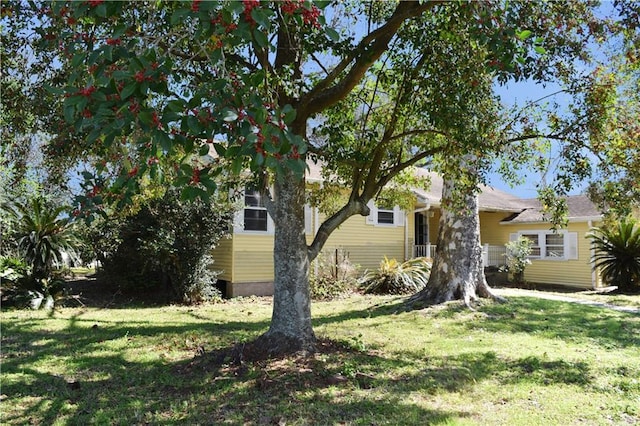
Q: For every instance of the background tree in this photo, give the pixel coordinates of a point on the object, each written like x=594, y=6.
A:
x=527, y=137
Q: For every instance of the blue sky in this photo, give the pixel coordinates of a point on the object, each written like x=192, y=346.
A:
x=520, y=94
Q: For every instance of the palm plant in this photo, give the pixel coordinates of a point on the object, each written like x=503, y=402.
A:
x=394, y=277
x=617, y=254
x=42, y=236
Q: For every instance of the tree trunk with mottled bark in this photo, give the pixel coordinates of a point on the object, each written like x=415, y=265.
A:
x=457, y=272
x=290, y=329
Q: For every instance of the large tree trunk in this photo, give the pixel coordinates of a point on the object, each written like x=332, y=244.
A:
x=457, y=272
x=290, y=329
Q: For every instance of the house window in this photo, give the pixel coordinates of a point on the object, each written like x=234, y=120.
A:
x=554, y=245
x=535, y=244
x=255, y=213
x=549, y=246
x=385, y=216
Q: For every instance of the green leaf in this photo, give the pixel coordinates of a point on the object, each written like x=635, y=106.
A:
x=193, y=124
x=69, y=113
x=165, y=141
x=259, y=159
x=101, y=10
x=540, y=50
x=523, y=35
x=176, y=105
x=220, y=149
x=333, y=34
x=261, y=38
x=54, y=90
x=260, y=116
x=289, y=113
x=121, y=75
x=99, y=96
x=256, y=78
x=178, y=15
x=95, y=134
x=128, y=90
x=108, y=53
x=237, y=165
x=145, y=117
x=211, y=187
x=77, y=60
x=204, y=150
x=261, y=16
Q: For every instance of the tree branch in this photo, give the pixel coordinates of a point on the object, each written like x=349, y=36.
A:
x=329, y=91
x=352, y=208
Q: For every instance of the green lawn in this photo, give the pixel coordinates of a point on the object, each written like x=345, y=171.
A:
x=528, y=362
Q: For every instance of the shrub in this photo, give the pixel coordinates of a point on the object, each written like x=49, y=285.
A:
x=22, y=289
x=165, y=245
x=333, y=276
x=518, y=253
x=14, y=279
x=394, y=277
x=617, y=254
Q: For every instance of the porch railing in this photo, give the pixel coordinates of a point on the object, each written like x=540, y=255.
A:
x=491, y=255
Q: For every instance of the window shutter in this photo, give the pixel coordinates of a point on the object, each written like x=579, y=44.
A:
x=513, y=236
x=372, y=219
x=308, y=212
x=571, y=245
x=398, y=216
x=270, y=225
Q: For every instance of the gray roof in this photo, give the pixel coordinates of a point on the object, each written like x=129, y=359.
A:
x=580, y=208
x=491, y=199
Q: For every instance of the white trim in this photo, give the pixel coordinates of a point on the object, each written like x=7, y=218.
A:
x=578, y=219
x=238, y=227
x=372, y=219
x=569, y=240
x=407, y=254
x=592, y=253
x=308, y=219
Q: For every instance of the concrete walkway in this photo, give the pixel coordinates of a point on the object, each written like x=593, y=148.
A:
x=506, y=292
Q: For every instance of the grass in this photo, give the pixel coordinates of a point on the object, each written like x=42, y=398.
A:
x=527, y=362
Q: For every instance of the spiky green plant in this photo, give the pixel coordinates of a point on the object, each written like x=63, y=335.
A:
x=41, y=234
x=394, y=277
x=617, y=254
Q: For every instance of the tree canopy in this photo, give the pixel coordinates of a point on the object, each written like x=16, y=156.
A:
x=386, y=85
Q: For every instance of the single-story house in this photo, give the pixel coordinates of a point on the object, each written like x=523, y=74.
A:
x=246, y=259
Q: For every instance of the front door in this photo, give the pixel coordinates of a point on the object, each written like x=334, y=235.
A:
x=421, y=237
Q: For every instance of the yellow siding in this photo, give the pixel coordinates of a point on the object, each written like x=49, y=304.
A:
x=223, y=259
x=491, y=232
x=574, y=273
x=253, y=258
x=367, y=244
x=248, y=258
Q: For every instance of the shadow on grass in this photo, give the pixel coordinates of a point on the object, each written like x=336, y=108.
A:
x=567, y=321
x=99, y=383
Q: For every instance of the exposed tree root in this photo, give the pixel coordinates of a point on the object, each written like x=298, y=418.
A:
x=276, y=344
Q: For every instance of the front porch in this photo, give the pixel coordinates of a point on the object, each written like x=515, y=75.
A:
x=492, y=255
